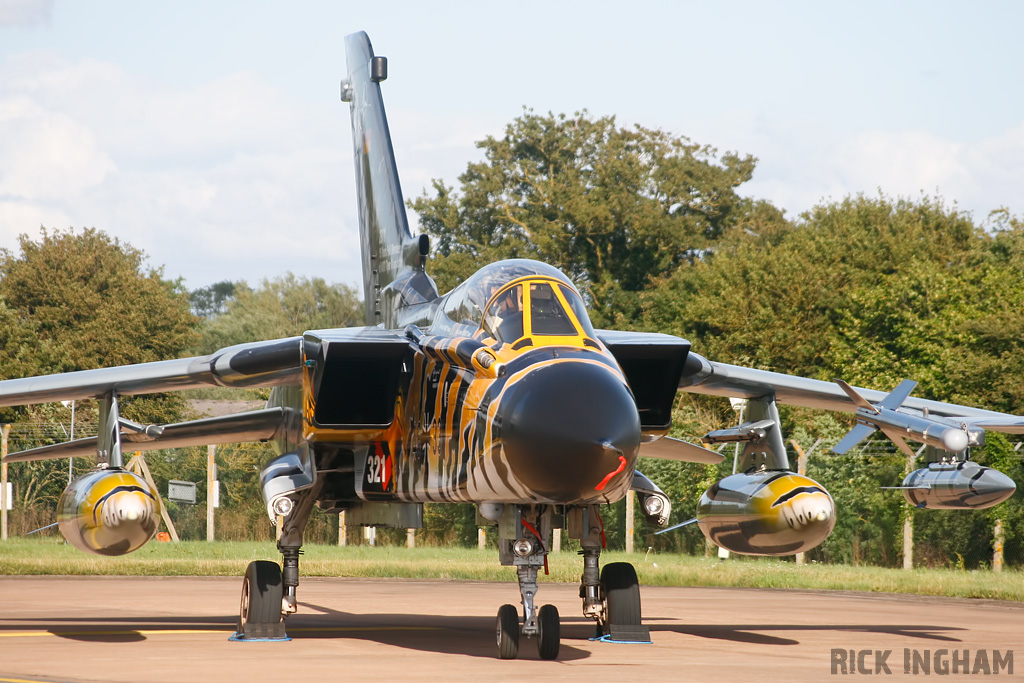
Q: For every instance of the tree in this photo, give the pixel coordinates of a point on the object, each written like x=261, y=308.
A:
x=787, y=300
x=612, y=207
x=89, y=297
x=76, y=301
x=211, y=301
x=281, y=307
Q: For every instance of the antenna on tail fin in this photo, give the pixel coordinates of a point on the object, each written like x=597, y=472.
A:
x=393, y=260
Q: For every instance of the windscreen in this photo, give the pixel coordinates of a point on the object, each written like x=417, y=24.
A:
x=547, y=315
x=504, y=317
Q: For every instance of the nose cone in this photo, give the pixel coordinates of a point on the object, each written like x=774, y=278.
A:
x=992, y=487
x=570, y=431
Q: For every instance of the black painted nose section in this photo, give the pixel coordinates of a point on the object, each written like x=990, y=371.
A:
x=570, y=431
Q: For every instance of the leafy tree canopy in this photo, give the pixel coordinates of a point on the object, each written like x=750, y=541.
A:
x=211, y=301
x=281, y=307
x=75, y=301
x=612, y=207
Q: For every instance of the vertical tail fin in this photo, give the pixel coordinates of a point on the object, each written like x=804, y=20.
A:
x=390, y=252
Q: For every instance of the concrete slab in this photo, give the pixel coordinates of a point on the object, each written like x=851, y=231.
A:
x=176, y=629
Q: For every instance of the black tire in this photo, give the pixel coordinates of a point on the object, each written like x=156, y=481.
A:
x=621, y=591
x=507, y=629
x=549, y=637
x=262, y=590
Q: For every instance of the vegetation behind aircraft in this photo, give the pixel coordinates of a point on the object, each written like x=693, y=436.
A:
x=656, y=231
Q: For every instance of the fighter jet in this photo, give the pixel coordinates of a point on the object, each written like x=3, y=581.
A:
x=500, y=393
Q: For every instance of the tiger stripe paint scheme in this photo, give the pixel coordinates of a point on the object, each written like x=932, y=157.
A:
x=446, y=442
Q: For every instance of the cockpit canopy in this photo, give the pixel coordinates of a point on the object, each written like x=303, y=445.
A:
x=536, y=307
x=510, y=299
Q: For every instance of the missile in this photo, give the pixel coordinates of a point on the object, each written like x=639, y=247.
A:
x=108, y=512
x=963, y=485
x=899, y=425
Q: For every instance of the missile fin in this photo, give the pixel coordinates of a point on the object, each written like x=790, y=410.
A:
x=898, y=395
x=897, y=439
x=854, y=437
x=905, y=488
x=857, y=399
x=676, y=526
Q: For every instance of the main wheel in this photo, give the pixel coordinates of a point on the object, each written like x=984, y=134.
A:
x=621, y=591
x=262, y=590
x=549, y=637
x=507, y=629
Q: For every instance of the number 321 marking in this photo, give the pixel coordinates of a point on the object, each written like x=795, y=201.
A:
x=378, y=468
x=375, y=469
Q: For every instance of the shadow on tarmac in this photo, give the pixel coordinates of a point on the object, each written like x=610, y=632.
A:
x=471, y=636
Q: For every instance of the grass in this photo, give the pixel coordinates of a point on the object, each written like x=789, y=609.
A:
x=197, y=558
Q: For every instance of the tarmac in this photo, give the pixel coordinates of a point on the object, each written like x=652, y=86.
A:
x=177, y=628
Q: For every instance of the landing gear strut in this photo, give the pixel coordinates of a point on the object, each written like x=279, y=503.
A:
x=611, y=596
x=268, y=593
x=523, y=544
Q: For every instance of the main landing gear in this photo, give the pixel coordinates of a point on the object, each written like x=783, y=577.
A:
x=610, y=596
x=268, y=593
x=268, y=596
x=259, y=616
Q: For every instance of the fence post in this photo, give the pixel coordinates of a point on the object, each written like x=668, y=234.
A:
x=410, y=538
x=630, y=503
x=998, y=538
x=908, y=522
x=342, y=529
x=211, y=477
x=481, y=538
x=4, y=433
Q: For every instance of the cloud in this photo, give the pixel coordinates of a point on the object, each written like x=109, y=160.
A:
x=46, y=155
x=227, y=179
x=25, y=12
x=804, y=163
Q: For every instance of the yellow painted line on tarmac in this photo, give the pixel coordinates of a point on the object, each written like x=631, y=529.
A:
x=43, y=634
x=173, y=631
x=22, y=680
x=317, y=629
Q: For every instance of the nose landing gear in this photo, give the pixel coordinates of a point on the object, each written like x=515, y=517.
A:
x=525, y=546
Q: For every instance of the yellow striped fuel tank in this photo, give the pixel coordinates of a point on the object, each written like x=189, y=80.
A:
x=766, y=513
x=108, y=512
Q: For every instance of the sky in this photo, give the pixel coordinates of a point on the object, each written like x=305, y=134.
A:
x=211, y=135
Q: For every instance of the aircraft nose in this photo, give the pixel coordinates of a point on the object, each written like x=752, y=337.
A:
x=570, y=432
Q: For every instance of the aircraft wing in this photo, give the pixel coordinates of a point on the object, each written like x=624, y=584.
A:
x=258, y=364
x=702, y=376
x=255, y=425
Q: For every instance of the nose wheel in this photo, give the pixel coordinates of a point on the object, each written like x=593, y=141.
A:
x=508, y=630
x=549, y=632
